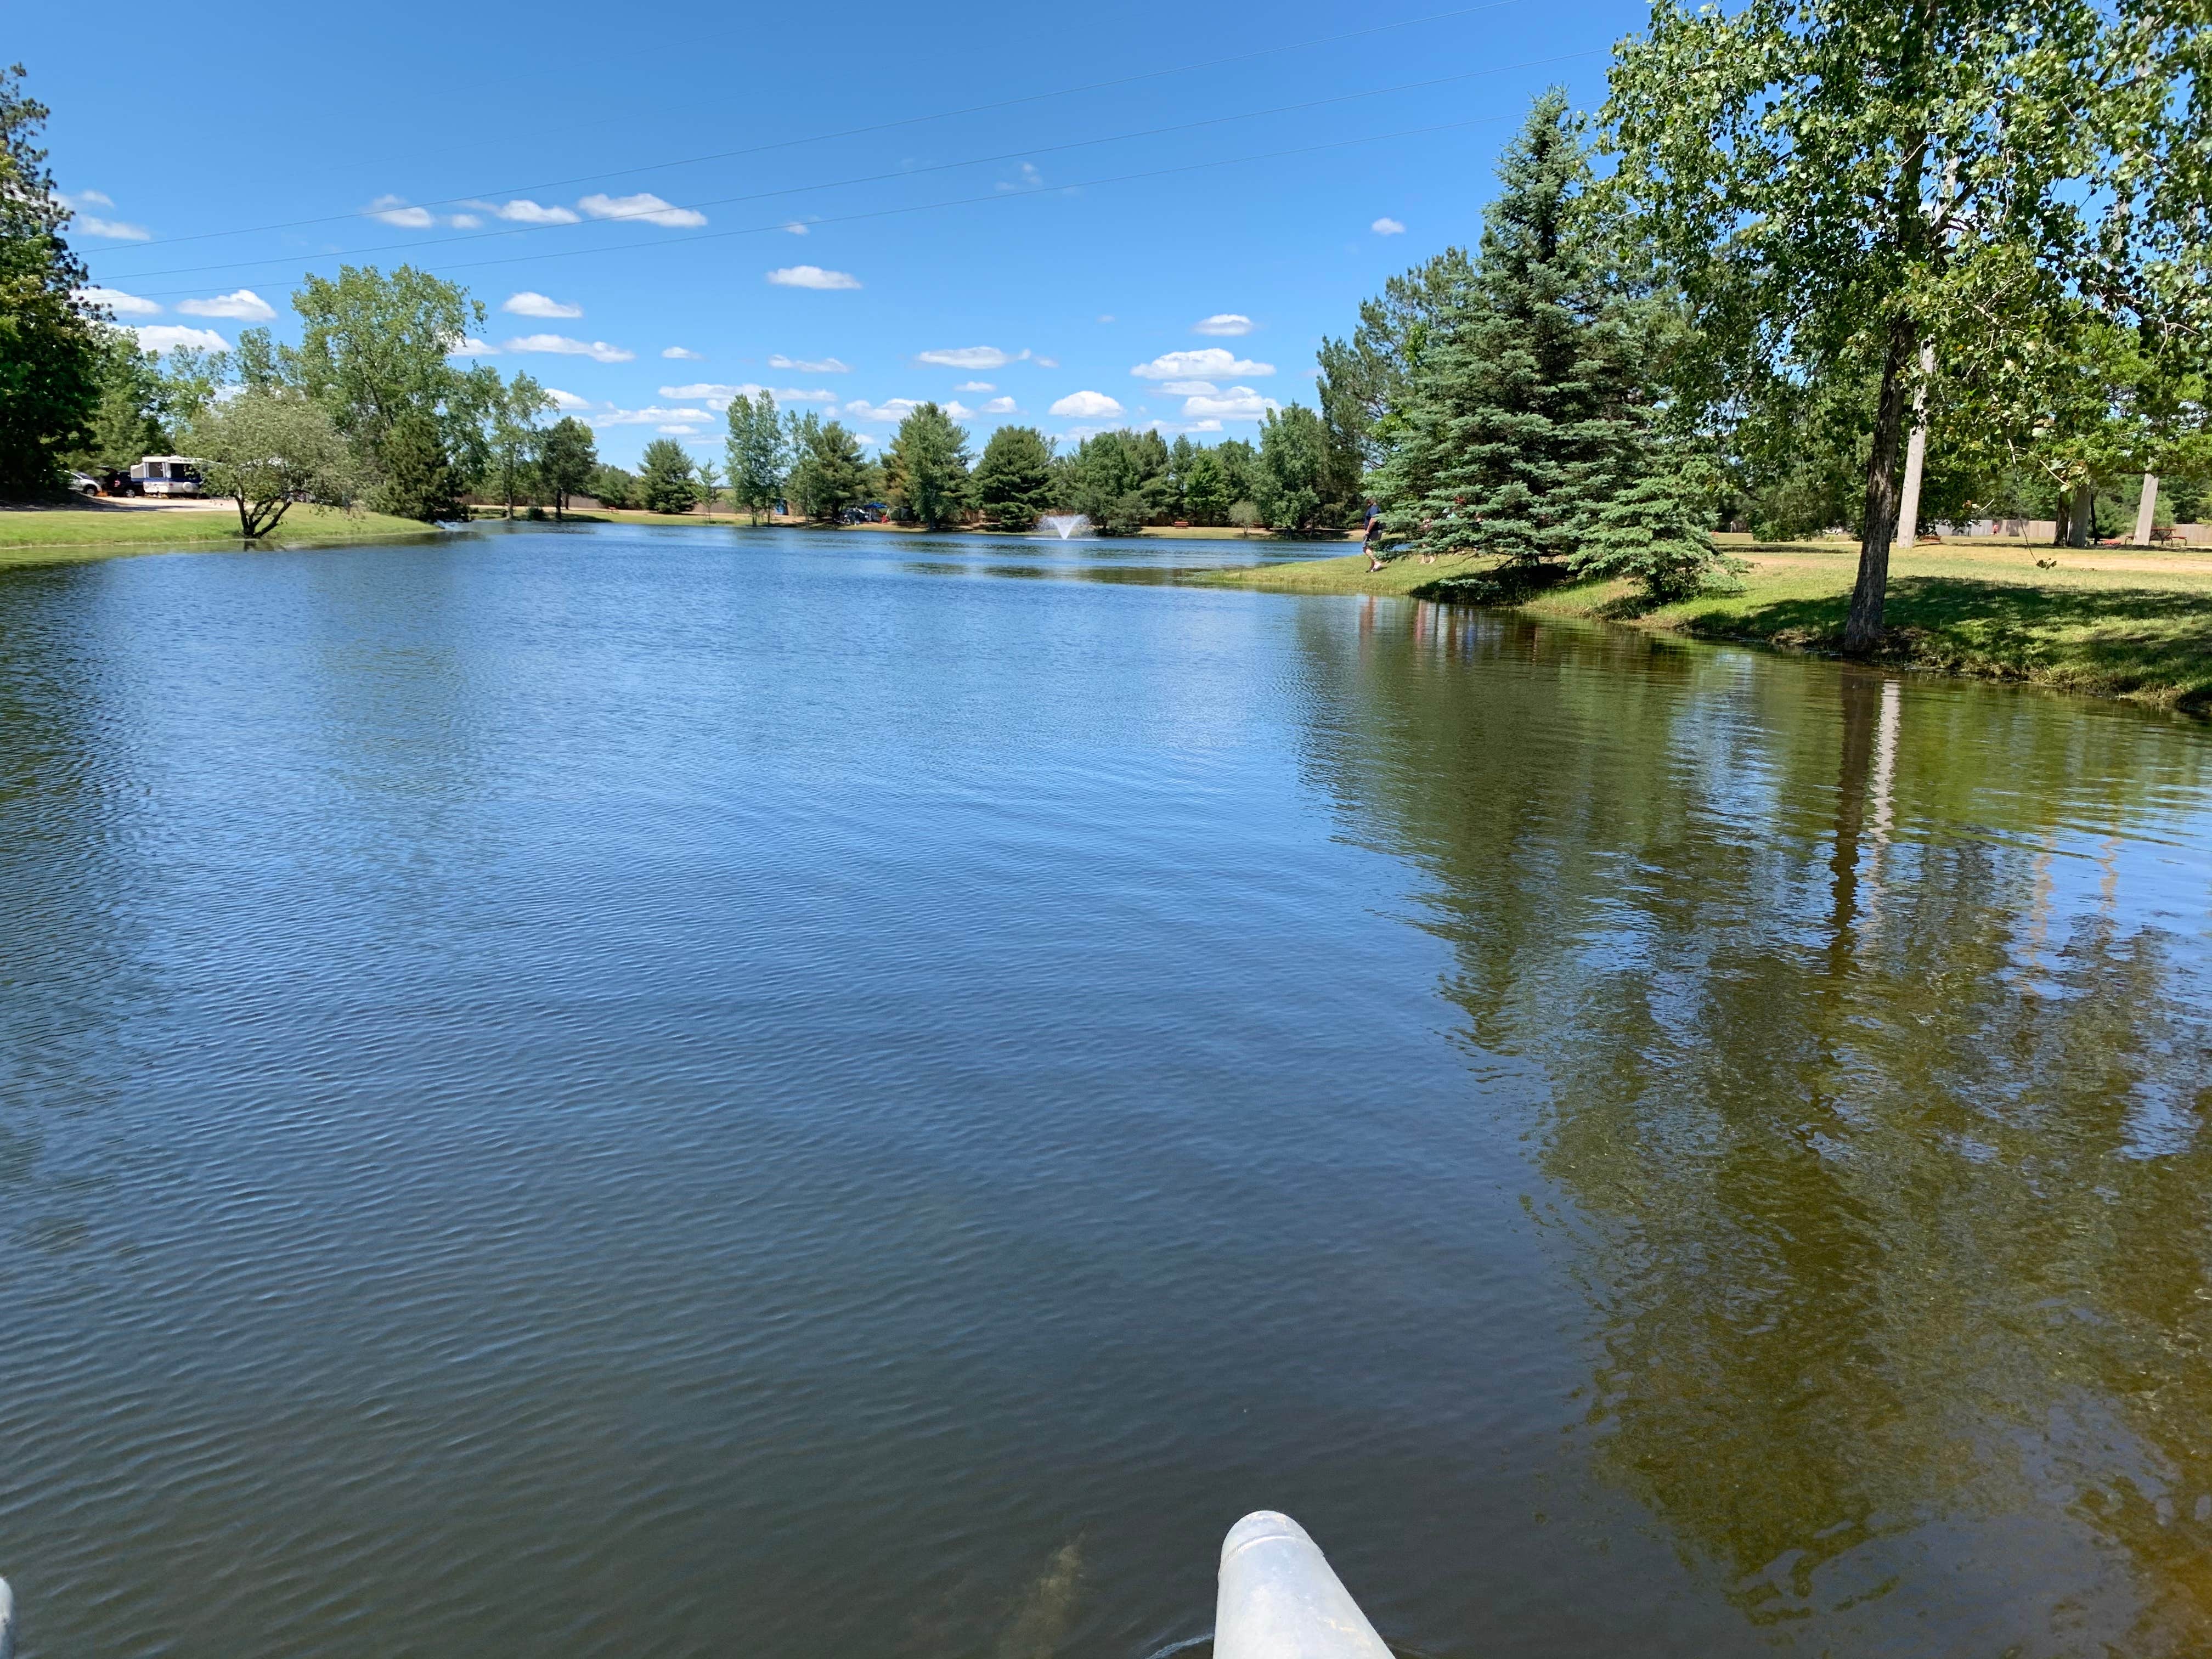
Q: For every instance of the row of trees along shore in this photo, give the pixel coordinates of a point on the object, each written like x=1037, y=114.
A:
x=1814, y=264
x=930, y=474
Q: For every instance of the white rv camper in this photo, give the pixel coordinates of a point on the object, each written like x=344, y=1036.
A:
x=166, y=474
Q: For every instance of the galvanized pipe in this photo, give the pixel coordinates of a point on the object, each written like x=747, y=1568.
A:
x=1279, y=1599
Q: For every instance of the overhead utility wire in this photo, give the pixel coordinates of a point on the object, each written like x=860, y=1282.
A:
x=855, y=132
x=878, y=177
x=962, y=201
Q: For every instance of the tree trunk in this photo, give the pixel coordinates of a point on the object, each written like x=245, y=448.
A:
x=2147, y=510
x=1916, y=456
x=1862, y=627
x=2080, y=517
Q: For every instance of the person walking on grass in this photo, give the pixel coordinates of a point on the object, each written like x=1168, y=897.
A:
x=1372, y=545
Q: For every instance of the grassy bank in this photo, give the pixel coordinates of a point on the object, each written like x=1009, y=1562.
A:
x=67, y=535
x=2109, y=622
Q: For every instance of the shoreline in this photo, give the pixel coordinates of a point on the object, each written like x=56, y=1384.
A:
x=2124, y=624
x=2118, y=622
x=61, y=535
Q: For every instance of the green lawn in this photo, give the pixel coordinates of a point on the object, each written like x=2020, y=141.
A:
x=65, y=535
x=2113, y=622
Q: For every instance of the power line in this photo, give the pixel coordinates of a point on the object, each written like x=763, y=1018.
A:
x=878, y=177
x=962, y=201
x=877, y=126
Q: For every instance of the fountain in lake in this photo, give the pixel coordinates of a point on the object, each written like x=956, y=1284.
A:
x=1065, y=525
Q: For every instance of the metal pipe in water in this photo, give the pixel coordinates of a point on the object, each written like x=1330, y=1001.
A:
x=1279, y=1599
x=7, y=1621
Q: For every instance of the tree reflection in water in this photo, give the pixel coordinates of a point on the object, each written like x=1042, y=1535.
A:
x=1876, y=1022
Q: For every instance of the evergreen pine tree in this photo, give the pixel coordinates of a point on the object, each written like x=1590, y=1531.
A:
x=1516, y=418
x=1014, y=480
x=925, y=469
x=1205, y=494
x=666, y=482
x=418, y=481
x=1656, y=530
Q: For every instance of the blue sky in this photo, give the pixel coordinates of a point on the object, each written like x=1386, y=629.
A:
x=926, y=203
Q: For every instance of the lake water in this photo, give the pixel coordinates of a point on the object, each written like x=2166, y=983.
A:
x=643, y=1091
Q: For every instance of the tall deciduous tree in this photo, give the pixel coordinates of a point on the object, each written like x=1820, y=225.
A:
x=516, y=436
x=49, y=358
x=1014, y=480
x=374, y=346
x=666, y=480
x=133, y=398
x=567, y=461
x=925, y=468
x=1294, y=469
x=1839, y=184
x=266, y=448
x=758, y=452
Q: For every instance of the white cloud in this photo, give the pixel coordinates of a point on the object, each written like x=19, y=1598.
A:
x=684, y=354
x=812, y=277
x=648, y=417
x=809, y=366
x=394, y=210
x=1189, y=388
x=115, y=230
x=679, y=430
x=891, y=408
x=1239, y=402
x=975, y=385
x=566, y=402
x=1207, y=363
x=1087, y=406
x=522, y=211
x=463, y=221
x=122, y=304
x=1226, y=323
x=970, y=357
x=1106, y=317
x=957, y=410
x=1030, y=178
x=529, y=303
x=998, y=406
x=1047, y=363
x=561, y=345
x=717, y=396
x=93, y=225
x=167, y=336
x=644, y=205
x=1387, y=227
x=471, y=347
x=796, y=228
x=244, y=306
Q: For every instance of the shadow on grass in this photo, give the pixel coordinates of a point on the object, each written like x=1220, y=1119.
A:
x=2154, y=642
